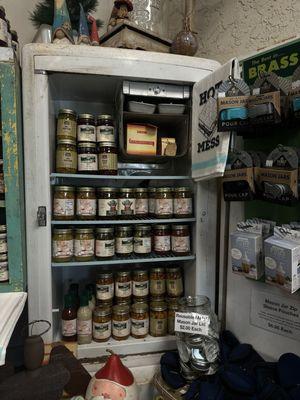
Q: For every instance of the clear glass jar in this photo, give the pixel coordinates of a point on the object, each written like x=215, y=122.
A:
x=162, y=239
x=121, y=322
x=123, y=285
x=66, y=156
x=148, y=15
x=157, y=281
x=126, y=203
x=107, y=202
x=181, y=240
x=87, y=158
x=172, y=308
x=158, y=319
x=164, y=203
x=105, y=128
x=102, y=324
x=142, y=239
x=62, y=245
x=108, y=158
x=139, y=320
x=66, y=125
x=105, y=287
x=86, y=131
x=124, y=241
x=105, y=242
x=141, y=202
x=86, y=203
x=183, y=202
x=151, y=201
x=84, y=244
x=140, y=284
x=174, y=282
x=64, y=203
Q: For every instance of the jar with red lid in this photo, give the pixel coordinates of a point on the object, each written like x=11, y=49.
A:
x=181, y=240
x=86, y=131
x=108, y=158
x=162, y=239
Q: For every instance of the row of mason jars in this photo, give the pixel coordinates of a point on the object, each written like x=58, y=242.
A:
x=4, y=273
x=106, y=242
x=110, y=203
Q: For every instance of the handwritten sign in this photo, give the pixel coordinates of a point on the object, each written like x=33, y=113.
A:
x=192, y=323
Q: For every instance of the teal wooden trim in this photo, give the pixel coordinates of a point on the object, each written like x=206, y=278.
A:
x=11, y=115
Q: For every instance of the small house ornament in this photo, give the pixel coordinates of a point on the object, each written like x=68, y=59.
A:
x=94, y=36
x=83, y=31
x=62, y=28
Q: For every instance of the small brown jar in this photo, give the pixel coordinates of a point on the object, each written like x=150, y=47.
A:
x=121, y=322
x=140, y=283
x=126, y=203
x=124, y=241
x=62, y=245
x=123, y=285
x=142, y=240
x=162, y=239
x=139, y=320
x=105, y=128
x=108, y=158
x=84, y=244
x=64, y=203
x=141, y=202
x=102, y=324
x=66, y=125
x=164, y=203
x=66, y=156
x=151, y=201
x=172, y=308
x=105, y=242
x=105, y=287
x=107, y=203
x=174, y=282
x=86, y=131
x=181, y=241
x=87, y=158
x=157, y=281
x=183, y=202
x=158, y=319
x=86, y=203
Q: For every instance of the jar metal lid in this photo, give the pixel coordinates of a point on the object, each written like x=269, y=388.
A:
x=104, y=116
x=2, y=228
x=140, y=272
x=3, y=256
x=107, y=189
x=182, y=189
x=67, y=141
x=87, y=144
x=124, y=228
x=121, y=309
x=141, y=190
x=86, y=189
x=173, y=306
x=180, y=227
x=164, y=189
x=67, y=111
x=3, y=235
x=143, y=228
x=123, y=273
x=105, y=230
x=85, y=116
x=107, y=144
x=162, y=227
x=173, y=269
x=139, y=308
x=4, y=264
x=84, y=230
x=64, y=189
x=157, y=269
x=63, y=230
x=121, y=301
x=158, y=306
x=105, y=275
x=102, y=311
x=143, y=299
x=152, y=190
x=127, y=190
x=157, y=299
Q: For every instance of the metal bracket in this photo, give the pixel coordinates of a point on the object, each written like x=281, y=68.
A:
x=42, y=216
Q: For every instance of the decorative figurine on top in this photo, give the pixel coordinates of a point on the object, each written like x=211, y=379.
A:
x=119, y=13
x=62, y=28
x=83, y=31
x=94, y=36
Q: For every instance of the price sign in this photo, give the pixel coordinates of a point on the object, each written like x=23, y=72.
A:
x=192, y=323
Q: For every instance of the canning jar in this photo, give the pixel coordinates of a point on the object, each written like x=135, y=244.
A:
x=64, y=203
x=3, y=241
x=108, y=158
x=66, y=125
x=164, y=203
x=139, y=320
x=158, y=319
x=121, y=322
x=183, y=202
x=124, y=241
x=123, y=285
x=84, y=244
x=151, y=201
x=86, y=203
x=124, y=302
x=157, y=281
x=4, y=273
x=162, y=239
x=87, y=158
x=174, y=282
x=105, y=242
x=62, y=245
x=3, y=28
x=107, y=202
x=140, y=283
x=105, y=128
x=181, y=241
x=141, y=202
x=172, y=308
x=105, y=287
x=142, y=239
x=66, y=156
x=86, y=131
x=102, y=324
x=126, y=203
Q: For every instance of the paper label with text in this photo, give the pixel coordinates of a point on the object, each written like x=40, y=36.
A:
x=192, y=323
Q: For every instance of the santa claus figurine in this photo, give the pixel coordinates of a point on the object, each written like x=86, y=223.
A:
x=114, y=382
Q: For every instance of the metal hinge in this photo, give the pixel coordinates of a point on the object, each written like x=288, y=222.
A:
x=42, y=216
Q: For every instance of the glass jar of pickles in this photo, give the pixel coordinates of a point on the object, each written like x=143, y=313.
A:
x=105, y=242
x=84, y=244
x=64, y=203
x=183, y=202
x=164, y=203
x=139, y=320
x=151, y=201
x=126, y=203
x=124, y=241
x=66, y=156
x=107, y=203
x=121, y=322
x=86, y=203
x=157, y=281
x=102, y=324
x=181, y=241
x=123, y=285
x=158, y=319
x=108, y=158
x=105, y=287
x=66, y=125
x=86, y=131
x=141, y=202
x=172, y=308
x=162, y=239
x=105, y=128
x=142, y=239
x=62, y=245
x=87, y=158
x=174, y=282
x=140, y=283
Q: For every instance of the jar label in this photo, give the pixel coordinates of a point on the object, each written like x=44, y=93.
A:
x=162, y=243
x=183, y=206
x=2, y=184
x=66, y=128
x=157, y=286
x=108, y=161
x=84, y=328
x=164, y=206
x=192, y=323
x=86, y=207
x=107, y=207
x=87, y=162
x=66, y=159
x=105, y=292
x=123, y=289
x=151, y=206
x=69, y=328
x=139, y=327
x=101, y=330
x=84, y=248
x=124, y=245
x=4, y=274
x=63, y=207
x=121, y=328
x=141, y=206
x=63, y=248
x=180, y=244
x=105, y=248
x=3, y=245
x=105, y=133
x=126, y=206
x=175, y=287
x=158, y=327
x=86, y=133
x=3, y=30
x=142, y=245
x=140, y=289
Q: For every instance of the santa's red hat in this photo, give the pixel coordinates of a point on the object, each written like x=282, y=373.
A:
x=94, y=37
x=116, y=372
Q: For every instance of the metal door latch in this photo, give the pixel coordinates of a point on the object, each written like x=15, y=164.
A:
x=42, y=216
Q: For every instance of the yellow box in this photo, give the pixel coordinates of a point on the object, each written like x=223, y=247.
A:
x=141, y=139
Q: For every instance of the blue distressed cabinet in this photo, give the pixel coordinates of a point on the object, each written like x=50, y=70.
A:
x=11, y=118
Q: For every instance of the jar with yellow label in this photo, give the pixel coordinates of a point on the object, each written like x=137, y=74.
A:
x=64, y=203
x=172, y=309
x=107, y=203
x=62, y=245
x=174, y=282
x=123, y=285
x=164, y=203
x=121, y=322
x=141, y=202
x=139, y=320
x=157, y=281
x=140, y=283
x=158, y=319
x=84, y=244
x=105, y=242
x=183, y=202
x=66, y=125
x=86, y=203
x=102, y=324
x=66, y=156
x=108, y=158
x=105, y=287
x=124, y=241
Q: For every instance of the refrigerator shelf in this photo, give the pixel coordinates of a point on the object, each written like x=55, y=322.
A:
x=126, y=221
x=124, y=260
x=79, y=177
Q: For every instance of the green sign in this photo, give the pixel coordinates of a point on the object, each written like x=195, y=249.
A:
x=282, y=60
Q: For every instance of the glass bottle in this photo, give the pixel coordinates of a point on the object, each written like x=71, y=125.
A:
x=69, y=320
x=84, y=321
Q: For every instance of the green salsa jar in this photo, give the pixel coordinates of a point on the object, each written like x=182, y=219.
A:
x=66, y=124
